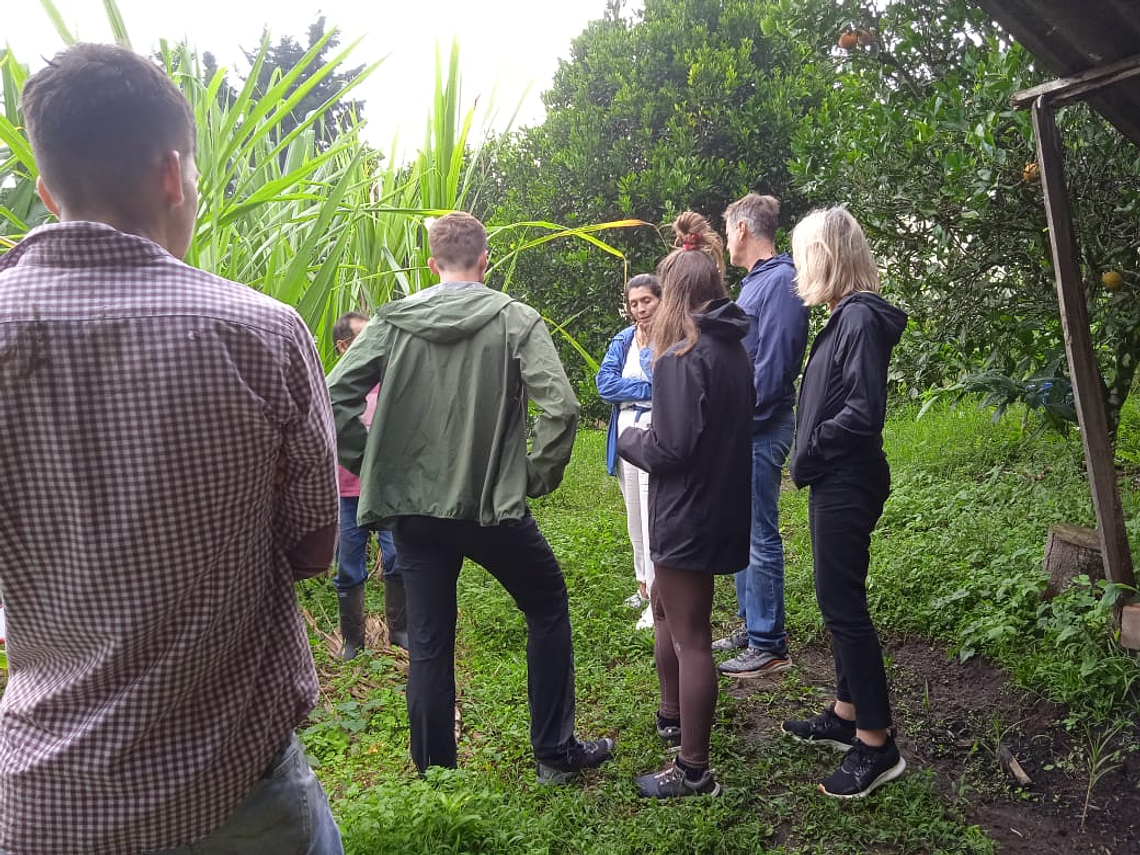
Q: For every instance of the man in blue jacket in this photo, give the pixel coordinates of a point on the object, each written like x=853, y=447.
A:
x=777, y=336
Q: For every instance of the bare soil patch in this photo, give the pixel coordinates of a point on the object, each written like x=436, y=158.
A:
x=951, y=718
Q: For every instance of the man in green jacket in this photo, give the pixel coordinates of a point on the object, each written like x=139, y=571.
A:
x=446, y=467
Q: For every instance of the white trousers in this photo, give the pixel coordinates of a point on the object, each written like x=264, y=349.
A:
x=634, y=485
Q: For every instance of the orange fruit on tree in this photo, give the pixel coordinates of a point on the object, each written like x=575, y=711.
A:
x=1112, y=279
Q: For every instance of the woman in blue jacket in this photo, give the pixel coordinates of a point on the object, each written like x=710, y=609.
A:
x=623, y=380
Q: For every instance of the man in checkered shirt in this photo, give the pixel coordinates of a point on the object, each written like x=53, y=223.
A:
x=167, y=465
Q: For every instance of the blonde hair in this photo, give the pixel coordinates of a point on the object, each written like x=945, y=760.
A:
x=690, y=280
x=832, y=257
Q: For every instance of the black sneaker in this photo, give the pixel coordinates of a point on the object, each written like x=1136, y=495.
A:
x=863, y=770
x=580, y=755
x=671, y=783
x=824, y=729
x=669, y=729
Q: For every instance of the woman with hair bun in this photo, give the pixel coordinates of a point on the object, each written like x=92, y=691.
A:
x=698, y=453
x=838, y=451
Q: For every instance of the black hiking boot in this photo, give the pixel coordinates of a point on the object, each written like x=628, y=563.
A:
x=580, y=755
x=350, y=604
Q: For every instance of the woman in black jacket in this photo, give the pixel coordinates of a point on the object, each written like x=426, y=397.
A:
x=698, y=455
x=838, y=451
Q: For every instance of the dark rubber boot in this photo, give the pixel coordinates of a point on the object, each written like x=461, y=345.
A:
x=351, y=606
x=396, y=612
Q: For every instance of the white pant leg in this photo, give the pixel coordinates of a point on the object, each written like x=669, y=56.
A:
x=636, y=519
x=643, y=507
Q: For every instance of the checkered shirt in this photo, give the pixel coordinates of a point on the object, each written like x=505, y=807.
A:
x=157, y=659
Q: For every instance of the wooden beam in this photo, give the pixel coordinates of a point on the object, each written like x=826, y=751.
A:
x=1065, y=90
x=1087, y=388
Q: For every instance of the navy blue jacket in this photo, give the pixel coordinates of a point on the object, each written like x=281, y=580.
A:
x=843, y=396
x=698, y=450
x=615, y=389
x=777, y=335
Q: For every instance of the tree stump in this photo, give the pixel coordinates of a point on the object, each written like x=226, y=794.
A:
x=1071, y=551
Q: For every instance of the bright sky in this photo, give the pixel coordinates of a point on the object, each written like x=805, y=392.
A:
x=505, y=45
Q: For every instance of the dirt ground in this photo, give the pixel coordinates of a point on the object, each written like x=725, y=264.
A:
x=952, y=717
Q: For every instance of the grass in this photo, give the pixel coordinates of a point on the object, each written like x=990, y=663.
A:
x=956, y=558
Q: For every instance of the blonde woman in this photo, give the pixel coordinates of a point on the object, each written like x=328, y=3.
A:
x=838, y=451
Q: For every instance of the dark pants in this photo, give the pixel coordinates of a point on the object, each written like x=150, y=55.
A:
x=431, y=553
x=682, y=647
x=842, y=511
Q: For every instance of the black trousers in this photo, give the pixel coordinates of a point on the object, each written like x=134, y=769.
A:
x=843, y=509
x=431, y=553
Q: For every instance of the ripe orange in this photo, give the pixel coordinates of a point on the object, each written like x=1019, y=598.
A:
x=1112, y=280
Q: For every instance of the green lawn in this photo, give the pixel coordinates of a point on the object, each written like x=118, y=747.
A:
x=956, y=558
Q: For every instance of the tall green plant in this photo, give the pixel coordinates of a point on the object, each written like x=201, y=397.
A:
x=326, y=229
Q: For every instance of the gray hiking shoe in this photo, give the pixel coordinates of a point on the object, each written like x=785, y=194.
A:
x=736, y=640
x=754, y=662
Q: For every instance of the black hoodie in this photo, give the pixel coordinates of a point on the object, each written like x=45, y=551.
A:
x=698, y=449
x=843, y=394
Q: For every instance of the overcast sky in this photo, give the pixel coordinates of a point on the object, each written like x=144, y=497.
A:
x=504, y=44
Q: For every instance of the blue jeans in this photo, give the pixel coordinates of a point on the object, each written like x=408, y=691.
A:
x=760, y=585
x=352, y=549
x=285, y=813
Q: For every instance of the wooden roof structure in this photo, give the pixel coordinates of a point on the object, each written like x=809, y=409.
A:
x=1095, y=48
x=1070, y=37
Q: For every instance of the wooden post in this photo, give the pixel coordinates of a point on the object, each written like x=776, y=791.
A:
x=1087, y=388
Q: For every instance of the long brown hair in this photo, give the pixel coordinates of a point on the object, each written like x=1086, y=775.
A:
x=691, y=278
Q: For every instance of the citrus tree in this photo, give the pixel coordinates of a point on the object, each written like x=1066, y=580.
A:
x=918, y=139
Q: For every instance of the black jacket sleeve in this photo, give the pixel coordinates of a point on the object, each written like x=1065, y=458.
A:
x=679, y=414
x=862, y=365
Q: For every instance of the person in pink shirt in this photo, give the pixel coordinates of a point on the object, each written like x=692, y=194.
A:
x=352, y=550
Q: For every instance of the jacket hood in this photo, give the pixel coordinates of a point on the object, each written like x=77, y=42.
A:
x=446, y=313
x=891, y=319
x=723, y=319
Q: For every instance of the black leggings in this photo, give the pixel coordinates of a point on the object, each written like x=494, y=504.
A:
x=682, y=646
x=843, y=509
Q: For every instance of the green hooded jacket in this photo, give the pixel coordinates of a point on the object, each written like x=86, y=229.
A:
x=456, y=365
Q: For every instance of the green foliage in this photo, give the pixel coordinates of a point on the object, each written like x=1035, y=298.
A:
x=685, y=105
x=308, y=216
x=325, y=98
x=1049, y=396
x=918, y=139
x=956, y=558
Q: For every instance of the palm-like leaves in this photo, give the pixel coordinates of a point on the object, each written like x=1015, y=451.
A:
x=327, y=230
